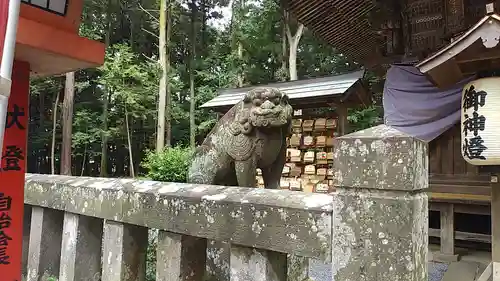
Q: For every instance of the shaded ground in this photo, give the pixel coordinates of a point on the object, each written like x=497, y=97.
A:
x=322, y=272
x=472, y=264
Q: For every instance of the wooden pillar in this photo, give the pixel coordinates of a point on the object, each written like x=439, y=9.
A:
x=447, y=219
x=495, y=227
x=219, y=115
x=343, y=123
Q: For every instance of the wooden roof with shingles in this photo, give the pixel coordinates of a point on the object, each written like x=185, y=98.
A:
x=344, y=24
x=307, y=93
x=380, y=32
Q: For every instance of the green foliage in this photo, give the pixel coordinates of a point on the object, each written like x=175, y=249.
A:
x=129, y=78
x=151, y=255
x=169, y=165
x=365, y=118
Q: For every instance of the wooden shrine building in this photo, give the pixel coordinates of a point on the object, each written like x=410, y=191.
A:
x=314, y=125
x=446, y=40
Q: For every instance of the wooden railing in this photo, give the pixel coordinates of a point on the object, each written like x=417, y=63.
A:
x=374, y=227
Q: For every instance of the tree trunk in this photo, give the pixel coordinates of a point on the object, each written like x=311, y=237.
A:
x=103, y=172
x=168, y=110
x=293, y=42
x=283, y=51
x=192, y=101
x=162, y=103
x=241, y=75
x=84, y=160
x=292, y=61
x=41, y=130
x=235, y=29
x=104, y=145
x=67, y=123
x=204, y=11
x=54, y=125
x=129, y=141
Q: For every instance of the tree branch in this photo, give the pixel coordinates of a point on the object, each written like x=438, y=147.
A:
x=298, y=34
x=150, y=59
x=147, y=12
x=288, y=33
x=287, y=27
x=150, y=33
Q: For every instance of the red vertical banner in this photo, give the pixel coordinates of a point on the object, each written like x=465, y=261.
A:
x=12, y=174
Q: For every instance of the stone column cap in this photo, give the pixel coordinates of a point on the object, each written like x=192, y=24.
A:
x=382, y=158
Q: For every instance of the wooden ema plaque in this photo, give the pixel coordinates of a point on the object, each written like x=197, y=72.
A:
x=294, y=155
x=286, y=170
x=331, y=124
x=309, y=157
x=320, y=124
x=297, y=125
x=321, y=158
x=295, y=171
x=284, y=183
x=308, y=141
x=295, y=184
x=321, y=141
x=307, y=125
x=295, y=140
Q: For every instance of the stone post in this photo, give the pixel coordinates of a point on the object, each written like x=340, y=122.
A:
x=81, y=248
x=380, y=208
x=124, y=252
x=44, y=250
x=180, y=257
x=26, y=240
x=250, y=264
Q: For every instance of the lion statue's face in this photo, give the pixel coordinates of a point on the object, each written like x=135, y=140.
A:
x=263, y=108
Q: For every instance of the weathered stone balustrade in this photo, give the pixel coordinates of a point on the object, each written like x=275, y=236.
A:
x=374, y=227
x=69, y=215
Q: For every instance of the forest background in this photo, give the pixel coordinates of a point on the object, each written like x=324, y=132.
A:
x=164, y=59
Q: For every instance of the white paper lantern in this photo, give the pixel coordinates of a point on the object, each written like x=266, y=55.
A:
x=480, y=121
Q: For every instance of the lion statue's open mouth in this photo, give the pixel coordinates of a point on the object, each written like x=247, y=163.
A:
x=263, y=108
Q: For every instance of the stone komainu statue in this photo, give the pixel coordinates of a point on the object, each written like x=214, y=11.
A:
x=250, y=135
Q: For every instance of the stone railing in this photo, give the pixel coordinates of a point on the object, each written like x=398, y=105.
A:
x=373, y=227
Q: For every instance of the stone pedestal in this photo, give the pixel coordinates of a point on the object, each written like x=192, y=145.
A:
x=380, y=216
